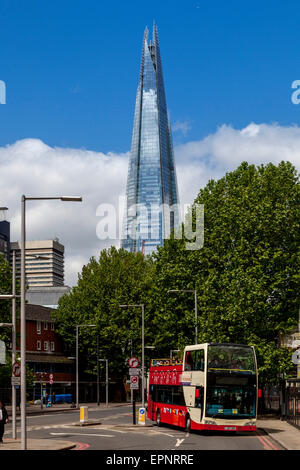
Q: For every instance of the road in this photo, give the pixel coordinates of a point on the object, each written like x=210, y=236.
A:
x=116, y=432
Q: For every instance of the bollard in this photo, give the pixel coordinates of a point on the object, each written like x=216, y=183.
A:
x=142, y=416
x=133, y=412
x=83, y=414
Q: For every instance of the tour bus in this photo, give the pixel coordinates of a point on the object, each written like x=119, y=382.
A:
x=213, y=388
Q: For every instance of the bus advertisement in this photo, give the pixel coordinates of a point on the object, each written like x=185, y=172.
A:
x=213, y=388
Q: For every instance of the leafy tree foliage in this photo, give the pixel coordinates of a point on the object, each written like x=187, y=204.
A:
x=246, y=277
x=5, y=305
x=247, y=273
x=117, y=278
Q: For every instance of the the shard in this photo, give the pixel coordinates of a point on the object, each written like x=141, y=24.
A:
x=151, y=195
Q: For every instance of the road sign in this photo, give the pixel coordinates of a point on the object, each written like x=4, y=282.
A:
x=51, y=376
x=2, y=353
x=51, y=381
x=134, y=382
x=16, y=369
x=134, y=371
x=142, y=416
x=296, y=357
x=133, y=362
x=15, y=380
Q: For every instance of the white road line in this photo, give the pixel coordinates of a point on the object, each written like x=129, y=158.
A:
x=163, y=433
x=79, y=434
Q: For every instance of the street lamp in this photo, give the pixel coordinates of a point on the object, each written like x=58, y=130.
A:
x=106, y=380
x=196, y=307
x=142, y=306
x=77, y=371
x=23, y=318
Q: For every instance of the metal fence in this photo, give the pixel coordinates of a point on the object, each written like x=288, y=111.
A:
x=292, y=414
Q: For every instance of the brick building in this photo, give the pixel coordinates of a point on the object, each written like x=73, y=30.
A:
x=45, y=350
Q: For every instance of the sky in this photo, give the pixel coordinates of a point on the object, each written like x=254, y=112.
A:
x=71, y=72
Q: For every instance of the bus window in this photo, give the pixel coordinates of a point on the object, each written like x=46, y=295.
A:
x=194, y=360
x=189, y=362
x=200, y=360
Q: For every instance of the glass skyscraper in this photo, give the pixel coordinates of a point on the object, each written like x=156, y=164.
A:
x=151, y=193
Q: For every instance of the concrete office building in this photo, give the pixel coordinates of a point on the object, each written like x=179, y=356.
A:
x=44, y=262
x=4, y=233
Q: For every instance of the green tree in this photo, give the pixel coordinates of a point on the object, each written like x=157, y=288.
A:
x=246, y=274
x=5, y=305
x=118, y=277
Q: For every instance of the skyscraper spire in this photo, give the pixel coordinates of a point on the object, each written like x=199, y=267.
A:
x=151, y=186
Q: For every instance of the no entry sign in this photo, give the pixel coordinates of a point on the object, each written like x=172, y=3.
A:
x=133, y=362
x=134, y=382
x=16, y=369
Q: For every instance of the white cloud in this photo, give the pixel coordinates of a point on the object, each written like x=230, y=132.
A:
x=181, y=126
x=33, y=168
x=199, y=161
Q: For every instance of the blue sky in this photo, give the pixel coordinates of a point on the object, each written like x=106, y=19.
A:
x=71, y=67
x=71, y=71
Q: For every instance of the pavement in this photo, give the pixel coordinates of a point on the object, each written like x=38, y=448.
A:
x=283, y=433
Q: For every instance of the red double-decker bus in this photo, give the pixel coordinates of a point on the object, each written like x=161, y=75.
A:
x=213, y=388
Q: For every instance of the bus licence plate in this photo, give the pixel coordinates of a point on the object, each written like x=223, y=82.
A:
x=230, y=428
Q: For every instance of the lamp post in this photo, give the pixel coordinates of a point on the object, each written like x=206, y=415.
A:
x=77, y=371
x=23, y=318
x=196, y=307
x=106, y=380
x=142, y=306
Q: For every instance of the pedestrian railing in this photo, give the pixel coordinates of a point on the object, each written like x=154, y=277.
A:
x=293, y=402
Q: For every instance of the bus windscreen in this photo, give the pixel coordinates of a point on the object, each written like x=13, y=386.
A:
x=230, y=401
x=228, y=357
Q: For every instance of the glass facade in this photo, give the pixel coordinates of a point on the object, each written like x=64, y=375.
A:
x=152, y=201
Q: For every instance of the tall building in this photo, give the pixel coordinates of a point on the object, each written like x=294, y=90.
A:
x=152, y=194
x=44, y=262
x=4, y=233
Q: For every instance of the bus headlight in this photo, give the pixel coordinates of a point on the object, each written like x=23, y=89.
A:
x=207, y=421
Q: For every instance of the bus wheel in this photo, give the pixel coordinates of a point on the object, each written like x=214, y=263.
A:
x=188, y=423
x=158, y=420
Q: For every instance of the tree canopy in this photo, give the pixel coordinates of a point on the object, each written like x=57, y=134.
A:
x=5, y=305
x=246, y=276
x=117, y=278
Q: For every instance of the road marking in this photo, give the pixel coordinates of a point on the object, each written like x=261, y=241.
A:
x=81, y=446
x=267, y=443
x=179, y=442
x=164, y=433
x=79, y=434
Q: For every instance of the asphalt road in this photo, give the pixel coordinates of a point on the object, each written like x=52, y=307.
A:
x=116, y=432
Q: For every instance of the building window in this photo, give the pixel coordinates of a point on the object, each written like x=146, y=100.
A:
x=52, y=346
x=52, y=326
x=38, y=345
x=45, y=325
x=45, y=345
x=38, y=327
